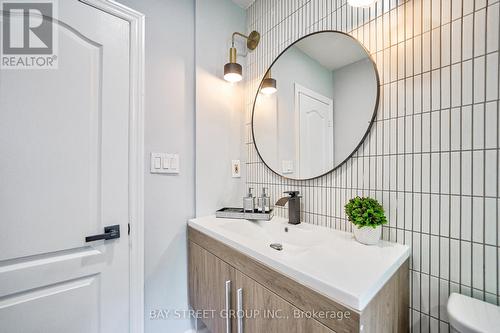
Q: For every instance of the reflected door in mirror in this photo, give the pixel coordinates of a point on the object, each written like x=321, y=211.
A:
x=315, y=132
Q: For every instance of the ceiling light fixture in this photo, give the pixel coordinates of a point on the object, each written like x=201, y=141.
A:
x=361, y=3
x=232, y=70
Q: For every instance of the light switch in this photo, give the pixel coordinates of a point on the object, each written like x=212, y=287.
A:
x=173, y=163
x=165, y=162
x=155, y=162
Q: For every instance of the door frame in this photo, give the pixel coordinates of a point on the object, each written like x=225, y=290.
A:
x=299, y=89
x=136, y=22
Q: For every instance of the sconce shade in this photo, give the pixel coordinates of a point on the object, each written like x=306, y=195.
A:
x=233, y=72
x=361, y=3
x=268, y=86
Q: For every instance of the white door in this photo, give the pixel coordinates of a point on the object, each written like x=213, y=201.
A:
x=315, y=132
x=64, y=176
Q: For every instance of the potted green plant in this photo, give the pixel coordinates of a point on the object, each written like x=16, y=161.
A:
x=368, y=216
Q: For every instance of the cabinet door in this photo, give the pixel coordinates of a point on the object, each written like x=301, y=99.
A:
x=207, y=286
x=264, y=311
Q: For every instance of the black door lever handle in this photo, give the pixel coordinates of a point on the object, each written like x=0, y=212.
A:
x=110, y=232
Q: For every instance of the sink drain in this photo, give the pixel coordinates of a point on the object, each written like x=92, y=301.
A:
x=277, y=246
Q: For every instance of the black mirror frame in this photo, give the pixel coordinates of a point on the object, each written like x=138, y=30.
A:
x=367, y=130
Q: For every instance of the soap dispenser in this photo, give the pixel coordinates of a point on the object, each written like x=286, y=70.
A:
x=264, y=202
x=249, y=201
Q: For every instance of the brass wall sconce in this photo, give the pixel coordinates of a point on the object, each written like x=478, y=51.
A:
x=232, y=70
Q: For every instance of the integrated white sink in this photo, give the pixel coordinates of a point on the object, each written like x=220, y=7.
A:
x=326, y=260
x=301, y=235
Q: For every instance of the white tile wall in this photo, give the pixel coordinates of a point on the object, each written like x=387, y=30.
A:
x=432, y=157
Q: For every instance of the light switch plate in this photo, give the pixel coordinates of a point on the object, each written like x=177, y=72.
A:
x=287, y=166
x=236, y=168
x=164, y=163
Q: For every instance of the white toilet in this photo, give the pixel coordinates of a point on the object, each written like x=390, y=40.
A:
x=470, y=315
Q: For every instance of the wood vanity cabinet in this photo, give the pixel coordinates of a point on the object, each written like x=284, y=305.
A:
x=264, y=310
x=274, y=303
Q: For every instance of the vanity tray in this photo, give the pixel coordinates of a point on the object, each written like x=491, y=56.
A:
x=238, y=213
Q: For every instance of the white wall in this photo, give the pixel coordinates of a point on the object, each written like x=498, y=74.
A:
x=294, y=66
x=265, y=129
x=219, y=108
x=169, y=127
x=354, y=98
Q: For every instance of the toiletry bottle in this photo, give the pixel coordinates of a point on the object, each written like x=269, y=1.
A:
x=260, y=202
x=264, y=202
x=249, y=201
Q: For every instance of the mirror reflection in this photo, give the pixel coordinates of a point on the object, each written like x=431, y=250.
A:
x=315, y=105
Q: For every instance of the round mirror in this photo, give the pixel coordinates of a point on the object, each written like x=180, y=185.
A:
x=315, y=105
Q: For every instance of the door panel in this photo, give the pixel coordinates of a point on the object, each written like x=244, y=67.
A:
x=274, y=313
x=30, y=313
x=315, y=133
x=20, y=275
x=51, y=152
x=64, y=145
x=207, y=277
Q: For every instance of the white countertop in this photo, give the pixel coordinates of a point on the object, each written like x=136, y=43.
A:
x=328, y=261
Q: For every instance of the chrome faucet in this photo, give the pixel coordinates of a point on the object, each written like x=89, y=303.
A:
x=293, y=200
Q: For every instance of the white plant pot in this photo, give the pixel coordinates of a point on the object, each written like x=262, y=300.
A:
x=367, y=235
